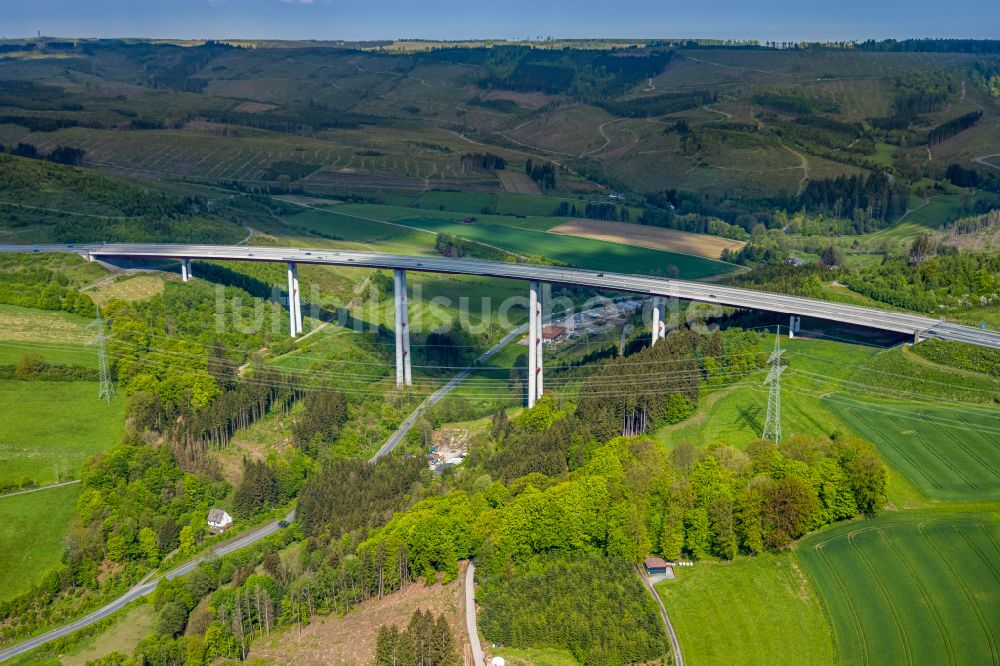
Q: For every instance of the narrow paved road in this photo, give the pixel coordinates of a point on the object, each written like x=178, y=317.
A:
x=144, y=588
x=675, y=644
x=435, y=397
x=471, y=625
x=35, y=490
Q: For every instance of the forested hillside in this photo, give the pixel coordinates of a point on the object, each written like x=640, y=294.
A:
x=739, y=134
x=71, y=205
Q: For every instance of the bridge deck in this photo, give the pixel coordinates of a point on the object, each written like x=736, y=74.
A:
x=886, y=320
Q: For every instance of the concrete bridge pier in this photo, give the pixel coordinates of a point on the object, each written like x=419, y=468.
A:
x=294, y=301
x=794, y=326
x=658, y=328
x=539, y=326
x=534, y=343
x=186, y=270
x=298, y=300
x=404, y=374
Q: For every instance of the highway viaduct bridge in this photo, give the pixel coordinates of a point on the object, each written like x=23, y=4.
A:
x=656, y=288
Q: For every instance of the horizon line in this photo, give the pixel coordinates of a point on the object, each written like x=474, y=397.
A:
x=523, y=40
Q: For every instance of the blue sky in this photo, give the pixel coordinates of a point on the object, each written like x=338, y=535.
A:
x=462, y=19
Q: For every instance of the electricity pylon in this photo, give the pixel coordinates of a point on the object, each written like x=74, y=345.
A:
x=107, y=388
x=772, y=426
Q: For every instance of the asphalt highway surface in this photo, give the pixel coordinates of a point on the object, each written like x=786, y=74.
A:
x=886, y=320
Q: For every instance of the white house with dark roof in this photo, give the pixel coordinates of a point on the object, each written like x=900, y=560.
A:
x=219, y=520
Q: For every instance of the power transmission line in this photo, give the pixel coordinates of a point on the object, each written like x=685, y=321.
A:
x=772, y=426
x=106, y=390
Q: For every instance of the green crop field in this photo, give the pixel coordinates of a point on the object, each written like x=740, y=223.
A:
x=371, y=222
x=762, y=609
x=534, y=211
x=31, y=541
x=580, y=252
x=948, y=453
x=350, y=227
x=910, y=588
x=50, y=428
x=465, y=202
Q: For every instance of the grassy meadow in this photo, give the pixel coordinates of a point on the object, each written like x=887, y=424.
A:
x=761, y=608
x=31, y=541
x=51, y=427
x=736, y=413
x=132, y=626
x=59, y=337
x=924, y=380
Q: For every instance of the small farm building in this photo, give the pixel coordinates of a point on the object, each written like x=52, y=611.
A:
x=656, y=566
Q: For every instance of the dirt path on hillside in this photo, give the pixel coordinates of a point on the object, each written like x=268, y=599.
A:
x=725, y=115
x=985, y=160
x=804, y=165
x=607, y=139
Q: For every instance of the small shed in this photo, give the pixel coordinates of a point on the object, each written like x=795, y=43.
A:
x=219, y=520
x=656, y=566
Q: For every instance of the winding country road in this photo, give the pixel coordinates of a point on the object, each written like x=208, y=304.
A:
x=146, y=587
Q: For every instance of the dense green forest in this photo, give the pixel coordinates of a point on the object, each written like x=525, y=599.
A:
x=592, y=605
x=425, y=642
x=33, y=285
x=941, y=283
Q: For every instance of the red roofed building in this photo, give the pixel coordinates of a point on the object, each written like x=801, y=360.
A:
x=655, y=565
x=553, y=333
